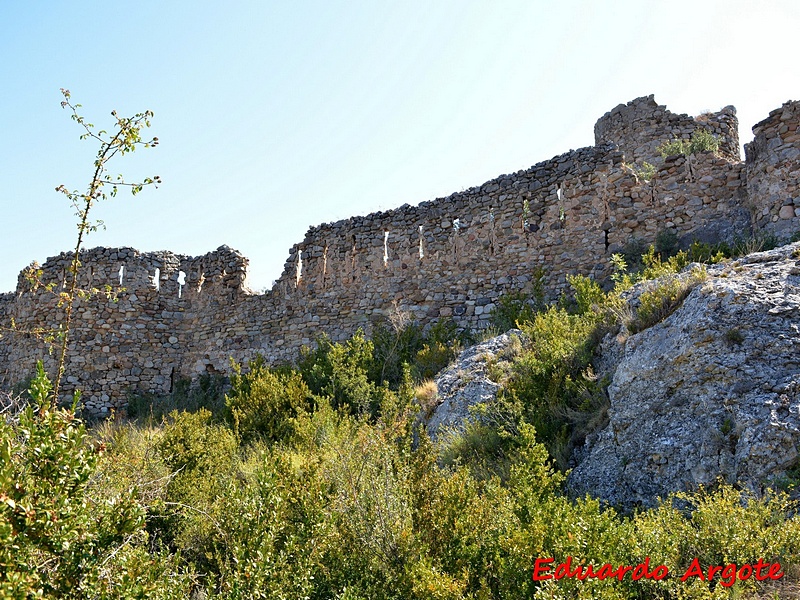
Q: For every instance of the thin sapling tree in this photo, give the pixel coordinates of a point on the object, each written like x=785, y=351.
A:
x=123, y=138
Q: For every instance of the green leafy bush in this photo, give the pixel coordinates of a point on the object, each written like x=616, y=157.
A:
x=57, y=538
x=267, y=549
x=702, y=140
x=402, y=342
x=192, y=443
x=666, y=242
x=201, y=458
x=589, y=295
x=645, y=172
x=206, y=392
x=348, y=507
x=264, y=403
x=664, y=297
x=395, y=343
x=340, y=372
x=511, y=309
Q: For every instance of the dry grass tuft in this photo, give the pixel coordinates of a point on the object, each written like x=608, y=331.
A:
x=427, y=394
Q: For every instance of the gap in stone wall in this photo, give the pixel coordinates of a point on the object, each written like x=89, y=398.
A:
x=181, y=282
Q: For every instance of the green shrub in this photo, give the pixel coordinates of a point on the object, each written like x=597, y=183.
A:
x=717, y=527
x=207, y=392
x=673, y=148
x=395, y=343
x=340, y=372
x=482, y=446
x=550, y=387
x=666, y=242
x=512, y=309
x=709, y=253
x=267, y=548
x=440, y=346
x=401, y=342
x=191, y=443
x=588, y=294
x=433, y=357
x=263, y=403
x=57, y=539
x=645, y=172
x=632, y=253
x=201, y=458
x=702, y=140
x=664, y=297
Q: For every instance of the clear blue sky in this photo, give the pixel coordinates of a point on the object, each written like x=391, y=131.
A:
x=275, y=116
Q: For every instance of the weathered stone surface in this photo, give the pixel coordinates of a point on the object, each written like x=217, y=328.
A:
x=641, y=125
x=467, y=383
x=712, y=391
x=773, y=170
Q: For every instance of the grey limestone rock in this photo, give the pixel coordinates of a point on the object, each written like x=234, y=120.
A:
x=713, y=391
x=467, y=382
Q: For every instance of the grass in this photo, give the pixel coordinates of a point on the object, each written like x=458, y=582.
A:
x=664, y=296
x=427, y=394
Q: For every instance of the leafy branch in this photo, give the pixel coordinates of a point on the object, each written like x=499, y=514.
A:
x=125, y=137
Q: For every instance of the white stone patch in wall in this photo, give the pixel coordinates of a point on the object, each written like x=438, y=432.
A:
x=299, y=269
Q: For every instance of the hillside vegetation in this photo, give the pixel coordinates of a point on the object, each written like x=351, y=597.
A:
x=316, y=480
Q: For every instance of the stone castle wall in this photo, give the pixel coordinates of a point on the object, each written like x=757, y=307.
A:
x=449, y=258
x=640, y=126
x=773, y=171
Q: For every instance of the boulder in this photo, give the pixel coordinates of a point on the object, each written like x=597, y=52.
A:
x=713, y=391
x=475, y=377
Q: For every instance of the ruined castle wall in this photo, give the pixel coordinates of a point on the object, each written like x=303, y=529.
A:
x=7, y=302
x=449, y=258
x=639, y=127
x=773, y=171
x=453, y=257
x=135, y=339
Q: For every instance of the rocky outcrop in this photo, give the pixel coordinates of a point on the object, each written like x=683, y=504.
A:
x=474, y=378
x=713, y=391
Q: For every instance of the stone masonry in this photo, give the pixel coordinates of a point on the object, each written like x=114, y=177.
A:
x=453, y=257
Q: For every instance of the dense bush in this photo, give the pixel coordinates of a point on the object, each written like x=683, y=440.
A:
x=512, y=309
x=395, y=343
x=340, y=372
x=61, y=536
x=263, y=402
x=701, y=141
x=346, y=507
x=206, y=392
x=200, y=456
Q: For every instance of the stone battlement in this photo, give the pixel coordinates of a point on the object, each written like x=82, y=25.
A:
x=448, y=258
